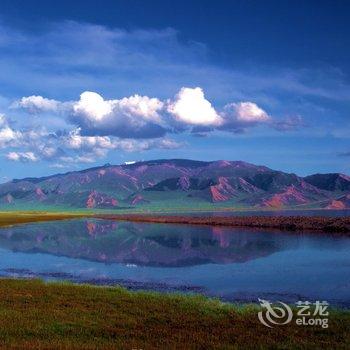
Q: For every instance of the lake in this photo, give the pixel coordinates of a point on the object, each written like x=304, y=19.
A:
x=233, y=264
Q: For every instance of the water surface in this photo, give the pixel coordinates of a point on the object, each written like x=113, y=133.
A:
x=231, y=263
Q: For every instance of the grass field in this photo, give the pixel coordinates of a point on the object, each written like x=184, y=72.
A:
x=22, y=217
x=37, y=315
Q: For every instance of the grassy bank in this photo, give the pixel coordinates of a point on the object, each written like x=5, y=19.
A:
x=290, y=223
x=22, y=217
x=37, y=315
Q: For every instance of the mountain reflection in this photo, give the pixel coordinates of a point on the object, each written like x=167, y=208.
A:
x=144, y=244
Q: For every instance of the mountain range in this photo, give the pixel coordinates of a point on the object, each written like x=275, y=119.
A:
x=178, y=184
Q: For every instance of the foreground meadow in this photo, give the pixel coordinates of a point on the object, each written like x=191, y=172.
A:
x=37, y=315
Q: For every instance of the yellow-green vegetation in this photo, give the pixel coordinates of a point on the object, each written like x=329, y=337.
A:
x=22, y=217
x=37, y=315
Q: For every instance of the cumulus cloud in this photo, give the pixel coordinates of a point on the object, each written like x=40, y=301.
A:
x=22, y=157
x=97, y=126
x=249, y=112
x=9, y=137
x=143, y=117
x=242, y=115
x=141, y=106
x=245, y=113
x=145, y=145
x=167, y=144
x=92, y=106
x=87, y=153
x=75, y=141
x=37, y=104
x=88, y=149
x=73, y=56
x=77, y=159
x=191, y=107
x=135, y=116
x=71, y=147
x=49, y=152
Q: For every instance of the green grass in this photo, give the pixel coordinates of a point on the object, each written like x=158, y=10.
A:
x=36, y=315
x=22, y=217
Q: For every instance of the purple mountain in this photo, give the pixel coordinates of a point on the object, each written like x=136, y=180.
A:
x=178, y=183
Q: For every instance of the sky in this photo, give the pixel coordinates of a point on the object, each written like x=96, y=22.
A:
x=85, y=83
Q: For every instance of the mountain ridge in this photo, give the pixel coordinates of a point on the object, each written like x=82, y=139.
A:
x=171, y=183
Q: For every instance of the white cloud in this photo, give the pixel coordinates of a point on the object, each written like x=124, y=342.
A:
x=247, y=112
x=78, y=159
x=140, y=106
x=75, y=141
x=48, y=152
x=143, y=117
x=130, y=124
x=90, y=148
x=191, y=107
x=22, y=156
x=130, y=117
x=90, y=154
x=10, y=137
x=242, y=115
x=166, y=144
x=36, y=104
x=135, y=116
x=92, y=106
x=70, y=147
x=145, y=145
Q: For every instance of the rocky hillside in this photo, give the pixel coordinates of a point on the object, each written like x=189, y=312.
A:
x=178, y=182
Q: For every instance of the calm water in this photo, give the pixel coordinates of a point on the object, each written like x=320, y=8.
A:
x=233, y=264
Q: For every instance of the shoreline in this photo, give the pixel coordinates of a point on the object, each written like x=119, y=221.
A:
x=338, y=225
x=239, y=299
x=317, y=224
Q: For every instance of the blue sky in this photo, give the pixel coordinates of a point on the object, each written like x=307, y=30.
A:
x=85, y=83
